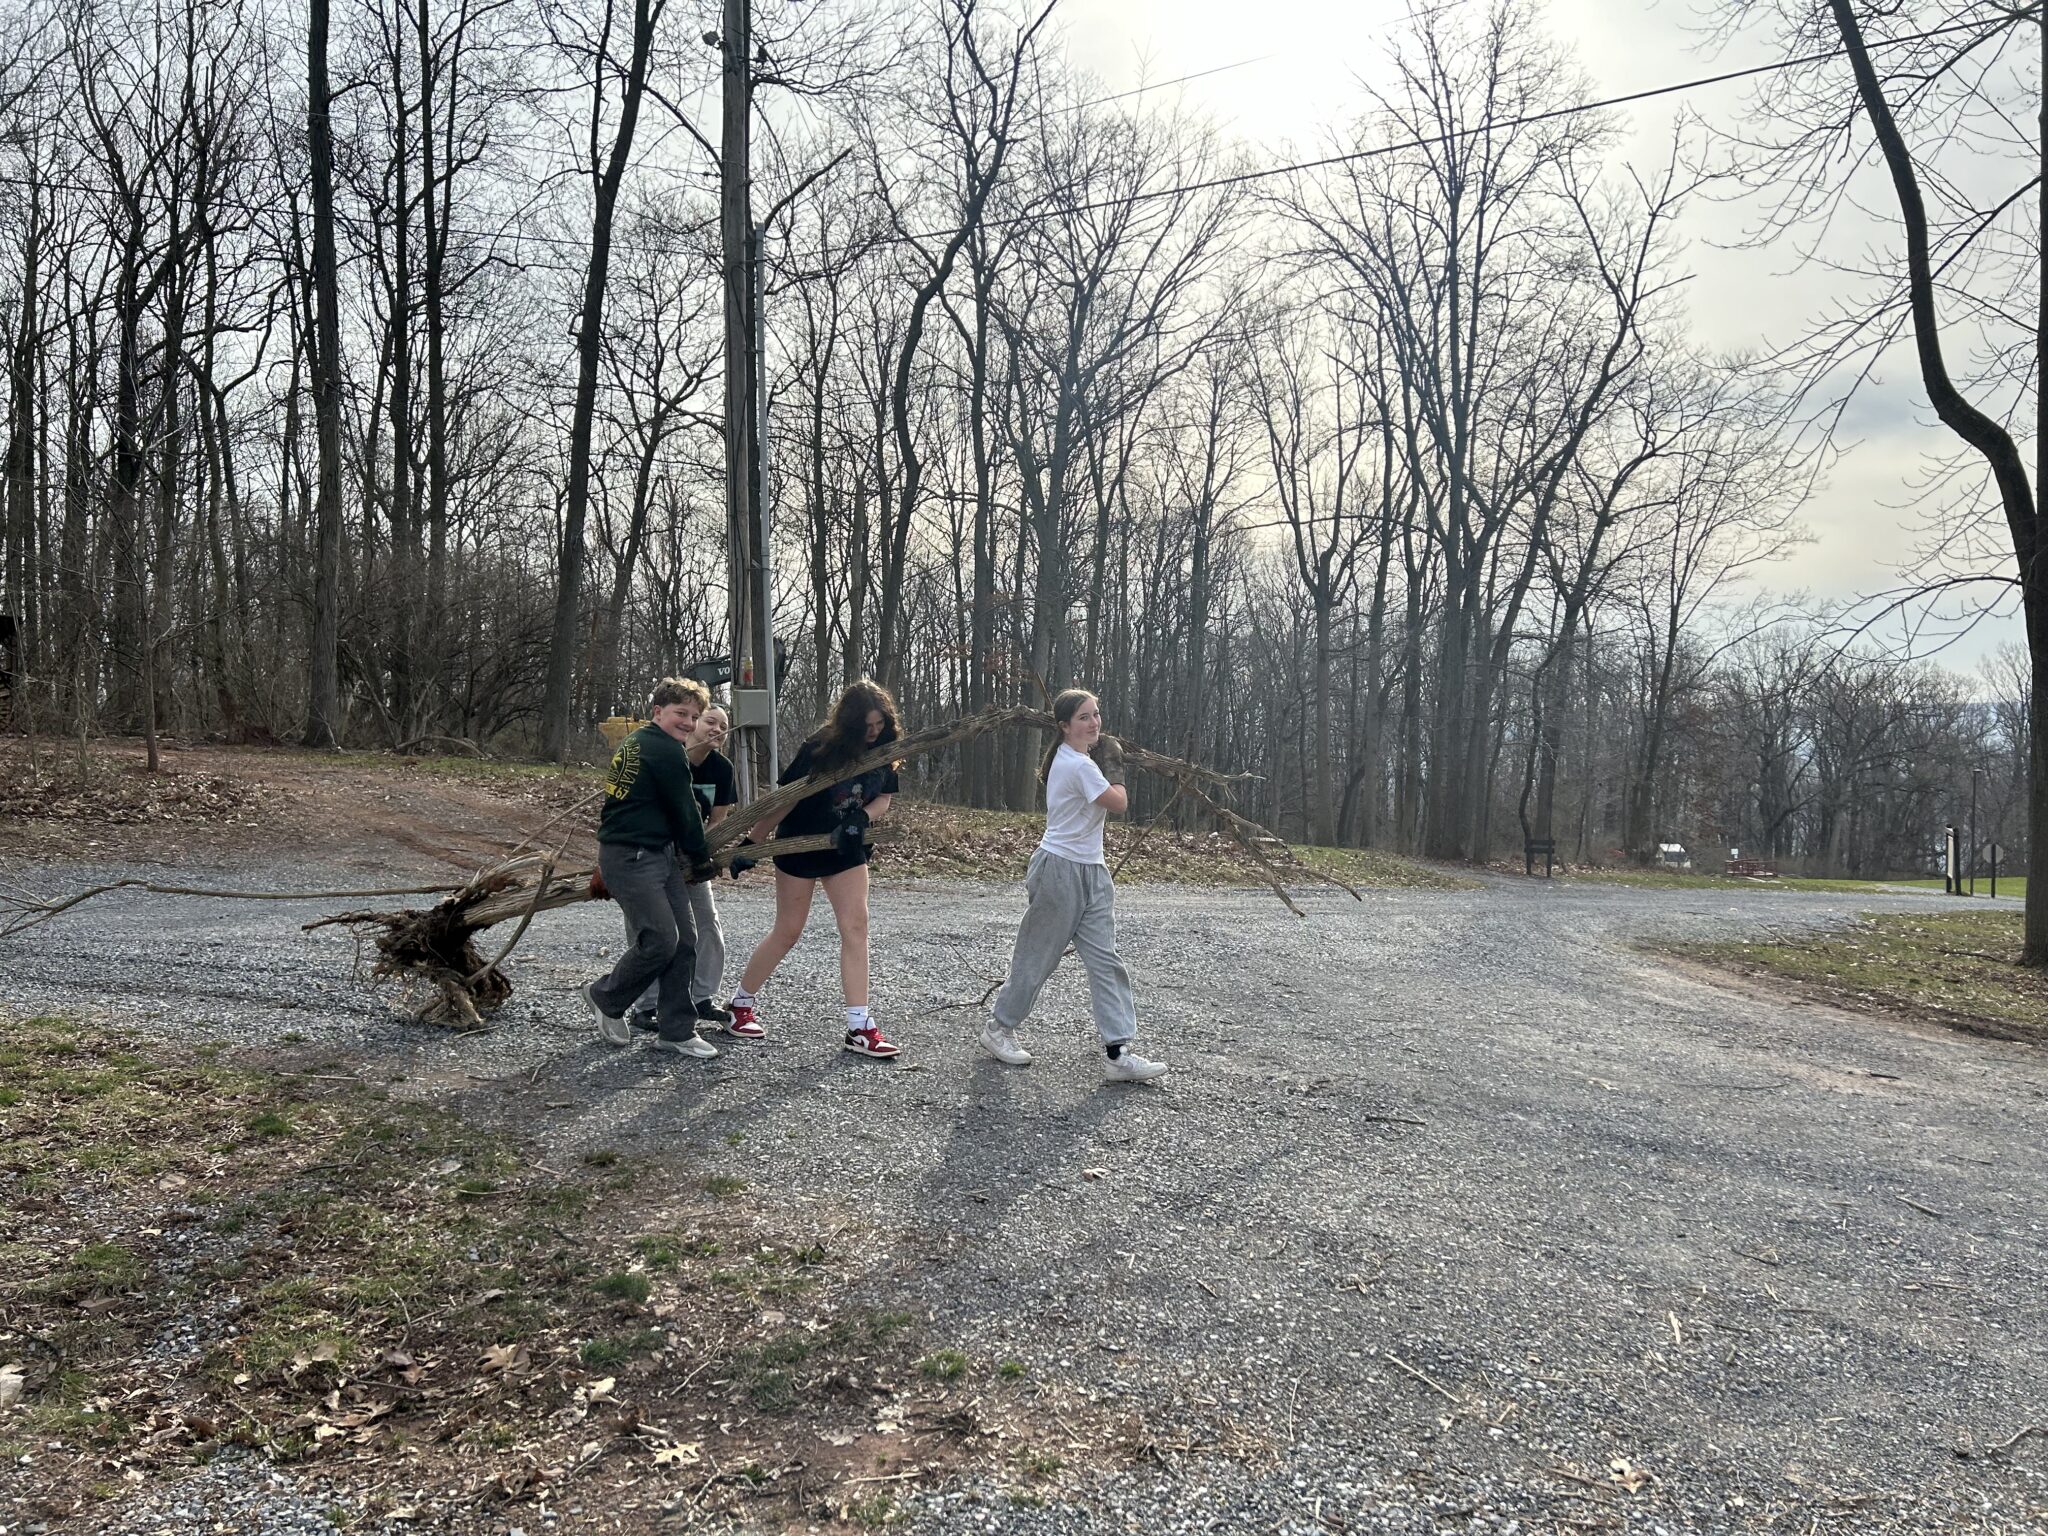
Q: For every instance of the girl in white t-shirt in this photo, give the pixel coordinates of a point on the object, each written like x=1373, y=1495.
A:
x=1072, y=901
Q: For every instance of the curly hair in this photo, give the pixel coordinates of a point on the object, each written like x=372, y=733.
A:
x=843, y=735
x=680, y=690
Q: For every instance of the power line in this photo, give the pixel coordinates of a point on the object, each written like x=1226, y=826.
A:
x=1160, y=85
x=1428, y=141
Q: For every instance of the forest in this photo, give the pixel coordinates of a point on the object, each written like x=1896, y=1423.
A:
x=1399, y=476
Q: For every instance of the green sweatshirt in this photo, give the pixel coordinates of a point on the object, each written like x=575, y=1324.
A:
x=648, y=801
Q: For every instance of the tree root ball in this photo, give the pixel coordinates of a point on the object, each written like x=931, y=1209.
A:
x=437, y=945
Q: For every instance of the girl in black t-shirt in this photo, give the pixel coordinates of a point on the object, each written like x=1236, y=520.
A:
x=863, y=719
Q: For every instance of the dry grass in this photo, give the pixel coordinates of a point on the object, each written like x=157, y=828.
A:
x=1956, y=969
x=430, y=1317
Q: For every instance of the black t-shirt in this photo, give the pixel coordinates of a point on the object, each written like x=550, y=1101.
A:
x=714, y=782
x=821, y=812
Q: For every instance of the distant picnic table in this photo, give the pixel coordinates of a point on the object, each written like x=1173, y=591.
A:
x=1751, y=869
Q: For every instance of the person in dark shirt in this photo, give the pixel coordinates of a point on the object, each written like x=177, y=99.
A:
x=862, y=720
x=717, y=787
x=650, y=847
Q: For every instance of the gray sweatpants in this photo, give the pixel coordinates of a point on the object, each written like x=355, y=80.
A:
x=705, y=987
x=661, y=935
x=1074, y=904
x=710, y=944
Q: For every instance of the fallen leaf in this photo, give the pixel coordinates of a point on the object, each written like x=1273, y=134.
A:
x=1630, y=1477
x=506, y=1357
x=602, y=1388
x=679, y=1455
x=11, y=1385
x=323, y=1353
x=1094, y=1173
x=445, y=1166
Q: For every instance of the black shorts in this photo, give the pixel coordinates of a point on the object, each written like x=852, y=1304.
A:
x=821, y=865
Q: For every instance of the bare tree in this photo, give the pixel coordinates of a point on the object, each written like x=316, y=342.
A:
x=1325, y=447
x=605, y=161
x=1969, y=289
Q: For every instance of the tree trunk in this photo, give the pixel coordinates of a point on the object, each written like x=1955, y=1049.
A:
x=437, y=198
x=1991, y=441
x=18, y=477
x=323, y=695
x=557, y=694
x=1325, y=770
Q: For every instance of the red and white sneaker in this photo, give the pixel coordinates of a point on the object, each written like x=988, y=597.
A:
x=870, y=1042
x=743, y=1025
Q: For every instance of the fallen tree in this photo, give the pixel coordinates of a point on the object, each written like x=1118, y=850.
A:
x=438, y=947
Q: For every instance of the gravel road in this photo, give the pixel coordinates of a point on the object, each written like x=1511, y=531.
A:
x=1457, y=1213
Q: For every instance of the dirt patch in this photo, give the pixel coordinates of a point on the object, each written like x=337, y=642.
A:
x=381, y=810
x=429, y=1321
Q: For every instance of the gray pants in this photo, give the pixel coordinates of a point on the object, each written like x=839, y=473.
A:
x=710, y=945
x=1070, y=904
x=661, y=935
x=710, y=976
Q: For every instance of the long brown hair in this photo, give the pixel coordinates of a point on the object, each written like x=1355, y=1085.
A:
x=1064, y=708
x=843, y=735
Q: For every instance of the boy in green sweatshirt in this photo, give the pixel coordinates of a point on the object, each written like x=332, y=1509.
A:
x=650, y=849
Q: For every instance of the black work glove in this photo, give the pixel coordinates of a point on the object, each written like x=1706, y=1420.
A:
x=740, y=862
x=1108, y=753
x=700, y=872
x=853, y=830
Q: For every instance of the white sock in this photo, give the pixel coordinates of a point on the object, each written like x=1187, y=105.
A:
x=743, y=997
x=857, y=1018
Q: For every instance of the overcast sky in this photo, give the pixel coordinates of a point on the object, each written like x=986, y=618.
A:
x=1311, y=55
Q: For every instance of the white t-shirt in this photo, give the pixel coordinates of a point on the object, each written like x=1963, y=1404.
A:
x=1073, y=821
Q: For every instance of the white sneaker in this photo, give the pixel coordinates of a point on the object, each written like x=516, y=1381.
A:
x=611, y=1027
x=1130, y=1067
x=688, y=1045
x=1004, y=1046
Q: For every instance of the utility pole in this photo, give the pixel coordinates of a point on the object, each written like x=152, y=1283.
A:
x=766, y=676
x=324, y=713
x=736, y=239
